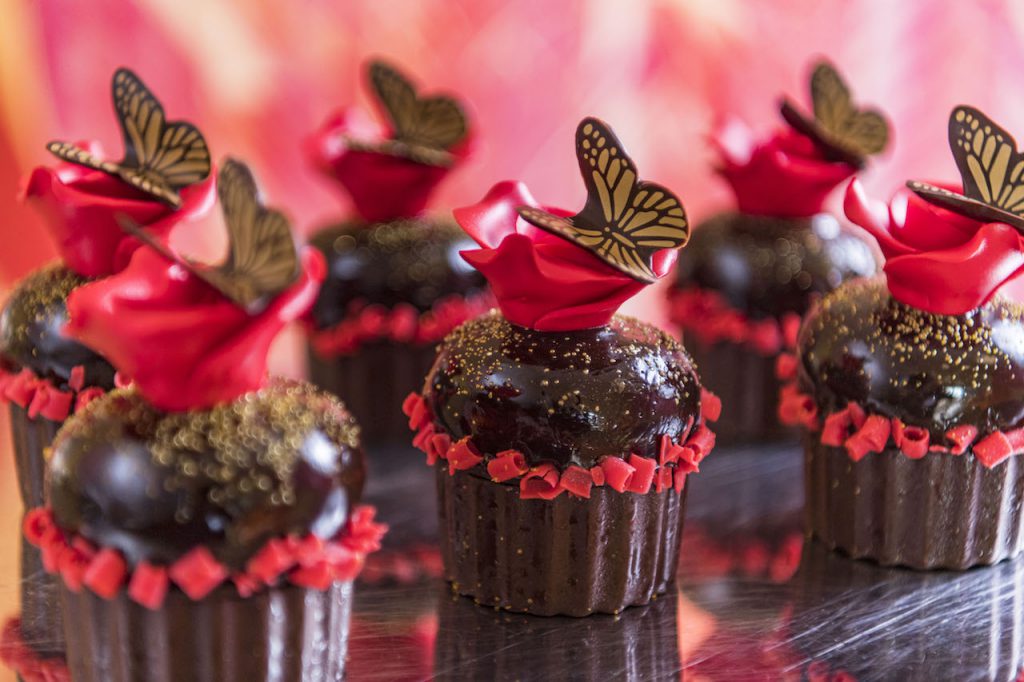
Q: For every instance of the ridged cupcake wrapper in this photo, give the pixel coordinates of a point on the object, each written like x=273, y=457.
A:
x=940, y=511
x=284, y=634
x=40, y=614
x=565, y=556
x=473, y=643
x=373, y=382
x=745, y=382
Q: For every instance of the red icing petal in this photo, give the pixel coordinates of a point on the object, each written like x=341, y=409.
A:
x=139, y=317
x=148, y=585
x=506, y=465
x=541, y=483
x=197, y=573
x=643, y=475
x=106, y=573
x=462, y=455
x=710, y=405
x=577, y=481
x=617, y=473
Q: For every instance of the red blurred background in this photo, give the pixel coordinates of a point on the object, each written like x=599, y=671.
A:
x=259, y=76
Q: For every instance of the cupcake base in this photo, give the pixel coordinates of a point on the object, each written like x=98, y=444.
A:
x=30, y=437
x=564, y=556
x=286, y=633
x=746, y=383
x=373, y=382
x=940, y=511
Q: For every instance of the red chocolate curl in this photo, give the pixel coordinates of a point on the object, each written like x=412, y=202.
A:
x=197, y=573
x=507, y=465
x=148, y=585
x=540, y=483
x=106, y=572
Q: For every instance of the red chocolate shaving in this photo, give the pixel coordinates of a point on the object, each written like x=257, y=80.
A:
x=796, y=408
x=708, y=316
x=544, y=481
x=301, y=561
x=402, y=324
x=861, y=433
x=29, y=666
x=41, y=398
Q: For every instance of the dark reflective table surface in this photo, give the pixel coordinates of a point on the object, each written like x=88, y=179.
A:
x=755, y=602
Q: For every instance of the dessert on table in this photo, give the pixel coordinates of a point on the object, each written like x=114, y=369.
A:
x=204, y=521
x=750, y=273
x=562, y=434
x=395, y=284
x=47, y=375
x=911, y=387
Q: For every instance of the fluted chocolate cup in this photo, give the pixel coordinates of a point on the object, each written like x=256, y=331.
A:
x=940, y=511
x=286, y=633
x=557, y=557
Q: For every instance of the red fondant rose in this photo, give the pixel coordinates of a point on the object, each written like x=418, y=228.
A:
x=542, y=281
x=785, y=176
x=382, y=186
x=81, y=207
x=935, y=259
x=184, y=344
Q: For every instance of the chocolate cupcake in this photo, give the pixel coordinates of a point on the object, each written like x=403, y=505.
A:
x=911, y=390
x=563, y=434
x=205, y=521
x=45, y=375
x=750, y=274
x=395, y=283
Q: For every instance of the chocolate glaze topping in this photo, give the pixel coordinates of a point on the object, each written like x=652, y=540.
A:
x=154, y=485
x=933, y=371
x=566, y=397
x=768, y=266
x=31, y=336
x=412, y=261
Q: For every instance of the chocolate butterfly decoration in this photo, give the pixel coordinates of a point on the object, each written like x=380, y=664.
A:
x=990, y=167
x=262, y=259
x=160, y=156
x=625, y=220
x=841, y=130
x=423, y=128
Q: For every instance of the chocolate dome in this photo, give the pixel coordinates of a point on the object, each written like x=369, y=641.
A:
x=567, y=397
x=31, y=330
x=413, y=261
x=933, y=371
x=284, y=460
x=766, y=266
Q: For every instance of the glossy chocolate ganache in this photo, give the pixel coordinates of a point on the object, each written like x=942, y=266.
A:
x=31, y=333
x=767, y=267
x=153, y=485
x=568, y=397
x=933, y=371
x=412, y=261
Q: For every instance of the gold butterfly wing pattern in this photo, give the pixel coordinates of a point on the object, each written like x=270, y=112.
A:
x=262, y=259
x=160, y=157
x=625, y=221
x=845, y=132
x=991, y=170
x=425, y=128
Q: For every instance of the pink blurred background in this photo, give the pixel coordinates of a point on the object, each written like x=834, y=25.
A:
x=259, y=76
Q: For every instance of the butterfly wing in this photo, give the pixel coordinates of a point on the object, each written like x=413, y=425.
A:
x=624, y=221
x=262, y=260
x=160, y=157
x=72, y=153
x=435, y=122
x=830, y=97
x=986, y=155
